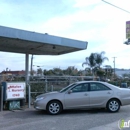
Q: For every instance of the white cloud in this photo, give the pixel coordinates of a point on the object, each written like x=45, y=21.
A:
x=85, y=3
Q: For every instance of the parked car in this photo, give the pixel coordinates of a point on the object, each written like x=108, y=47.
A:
x=84, y=94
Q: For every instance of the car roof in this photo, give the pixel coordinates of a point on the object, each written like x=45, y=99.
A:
x=89, y=82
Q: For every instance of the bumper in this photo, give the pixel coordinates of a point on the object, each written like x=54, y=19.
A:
x=39, y=105
x=125, y=101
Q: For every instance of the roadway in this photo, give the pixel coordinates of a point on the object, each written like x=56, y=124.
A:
x=31, y=119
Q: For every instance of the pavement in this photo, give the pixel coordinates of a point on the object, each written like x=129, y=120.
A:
x=112, y=126
x=109, y=126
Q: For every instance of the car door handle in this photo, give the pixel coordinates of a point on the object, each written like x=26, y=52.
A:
x=108, y=93
x=85, y=94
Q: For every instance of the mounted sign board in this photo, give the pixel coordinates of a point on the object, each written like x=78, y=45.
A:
x=14, y=90
x=128, y=30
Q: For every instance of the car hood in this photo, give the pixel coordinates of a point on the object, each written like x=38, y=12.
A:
x=46, y=94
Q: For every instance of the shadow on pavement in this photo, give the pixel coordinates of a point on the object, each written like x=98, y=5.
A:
x=24, y=114
x=87, y=111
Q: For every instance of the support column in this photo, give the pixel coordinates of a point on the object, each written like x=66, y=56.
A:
x=27, y=68
x=31, y=67
x=27, y=78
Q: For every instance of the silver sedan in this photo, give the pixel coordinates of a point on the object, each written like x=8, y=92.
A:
x=85, y=94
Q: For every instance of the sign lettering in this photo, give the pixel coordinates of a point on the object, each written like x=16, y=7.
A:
x=15, y=90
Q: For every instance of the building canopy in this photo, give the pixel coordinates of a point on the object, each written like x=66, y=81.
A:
x=21, y=41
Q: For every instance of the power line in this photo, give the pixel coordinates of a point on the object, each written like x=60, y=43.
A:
x=116, y=6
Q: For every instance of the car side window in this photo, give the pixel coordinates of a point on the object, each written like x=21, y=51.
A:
x=80, y=88
x=98, y=87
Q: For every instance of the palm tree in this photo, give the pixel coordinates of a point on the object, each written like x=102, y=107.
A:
x=100, y=58
x=91, y=62
x=94, y=61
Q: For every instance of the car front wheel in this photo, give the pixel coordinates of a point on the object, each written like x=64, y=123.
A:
x=54, y=107
x=113, y=105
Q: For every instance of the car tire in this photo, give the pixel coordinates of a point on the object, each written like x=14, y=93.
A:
x=54, y=107
x=113, y=105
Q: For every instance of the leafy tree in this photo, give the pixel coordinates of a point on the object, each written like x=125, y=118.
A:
x=33, y=72
x=108, y=71
x=100, y=73
x=48, y=72
x=88, y=71
x=39, y=71
x=71, y=70
x=57, y=71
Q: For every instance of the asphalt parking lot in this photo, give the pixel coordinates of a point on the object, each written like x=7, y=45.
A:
x=30, y=119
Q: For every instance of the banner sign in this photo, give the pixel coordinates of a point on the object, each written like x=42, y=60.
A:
x=15, y=90
x=127, y=29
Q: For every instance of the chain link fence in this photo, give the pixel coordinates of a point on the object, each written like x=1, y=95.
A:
x=41, y=85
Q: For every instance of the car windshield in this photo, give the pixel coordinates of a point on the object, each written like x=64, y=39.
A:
x=66, y=88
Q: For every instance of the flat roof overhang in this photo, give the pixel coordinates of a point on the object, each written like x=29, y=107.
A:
x=21, y=41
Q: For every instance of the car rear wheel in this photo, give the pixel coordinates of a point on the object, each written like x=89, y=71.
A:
x=113, y=105
x=54, y=107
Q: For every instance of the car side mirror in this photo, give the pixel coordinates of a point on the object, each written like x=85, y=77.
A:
x=70, y=91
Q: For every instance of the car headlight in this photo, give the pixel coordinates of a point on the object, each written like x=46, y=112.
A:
x=40, y=98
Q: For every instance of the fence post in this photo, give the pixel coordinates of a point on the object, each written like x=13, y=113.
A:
x=52, y=88
x=46, y=85
x=29, y=96
x=1, y=102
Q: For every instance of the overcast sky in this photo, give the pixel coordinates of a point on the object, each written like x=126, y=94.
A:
x=101, y=24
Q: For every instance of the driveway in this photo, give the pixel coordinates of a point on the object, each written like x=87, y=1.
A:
x=30, y=119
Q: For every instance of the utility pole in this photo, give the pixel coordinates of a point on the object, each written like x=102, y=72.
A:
x=114, y=65
x=31, y=64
